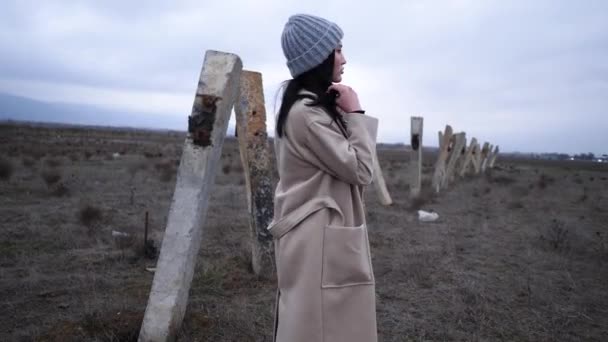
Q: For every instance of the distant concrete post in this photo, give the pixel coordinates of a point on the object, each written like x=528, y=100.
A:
x=468, y=157
x=476, y=159
x=459, y=142
x=459, y=161
x=255, y=157
x=440, y=167
x=215, y=95
x=416, y=155
x=379, y=184
x=493, y=158
x=486, y=159
x=458, y=165
x=482, y=156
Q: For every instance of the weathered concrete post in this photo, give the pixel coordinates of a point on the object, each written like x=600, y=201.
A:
x=476, y=159
x=459, y=142
x=379, y=184
x=486, y=157
x=215, y=95
x=493, y=158
x=482, y=156
x=468, y=157
x=460, y=160
x=255, y=157
x=444, y=144
x=416, y=155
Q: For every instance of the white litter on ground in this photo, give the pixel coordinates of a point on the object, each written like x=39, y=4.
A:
x=425, y=216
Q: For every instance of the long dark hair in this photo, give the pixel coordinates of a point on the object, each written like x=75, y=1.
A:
x=317, y=81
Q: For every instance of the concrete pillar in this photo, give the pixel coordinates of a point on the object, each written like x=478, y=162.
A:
x=482, y=156
x=416, y=155
x=476, y=158
x=440, y=167
x=493, y=158
x=460, y=160
x=468, y=157
x=379, y=184
x=255, y=157
x=459, y=142
x=485, y=158
x=215, y=95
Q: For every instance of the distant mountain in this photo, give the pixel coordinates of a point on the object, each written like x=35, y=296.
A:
x=25, y=109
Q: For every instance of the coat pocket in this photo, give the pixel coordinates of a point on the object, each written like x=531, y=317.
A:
x=346, y=257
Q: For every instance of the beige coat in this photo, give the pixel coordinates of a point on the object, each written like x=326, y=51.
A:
x=326, y=289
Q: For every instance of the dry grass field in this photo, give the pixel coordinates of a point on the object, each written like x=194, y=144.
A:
x=518, y=254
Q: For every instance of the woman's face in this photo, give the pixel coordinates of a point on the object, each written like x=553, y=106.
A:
x=339, y=61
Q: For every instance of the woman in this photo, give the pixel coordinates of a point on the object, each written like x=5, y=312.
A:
x=324, y=146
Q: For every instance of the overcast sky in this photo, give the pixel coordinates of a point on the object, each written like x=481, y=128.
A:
x=526, y=75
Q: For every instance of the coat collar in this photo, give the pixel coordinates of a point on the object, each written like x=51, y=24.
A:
x=307, y=93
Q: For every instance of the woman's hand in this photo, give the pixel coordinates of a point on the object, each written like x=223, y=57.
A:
x=347, y=98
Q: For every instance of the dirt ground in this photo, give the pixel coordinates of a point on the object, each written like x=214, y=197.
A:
x=518, y=254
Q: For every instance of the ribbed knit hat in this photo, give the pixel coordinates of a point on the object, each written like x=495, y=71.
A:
x=307, y=40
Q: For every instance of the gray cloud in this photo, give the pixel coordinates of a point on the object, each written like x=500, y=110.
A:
x=521, y=74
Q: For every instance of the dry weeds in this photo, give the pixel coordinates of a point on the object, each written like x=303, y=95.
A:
x=50, y=177
x=6, y=169
x=544, y=181
x=61, y=190
x=89, y=214
x=166, y=170
x=53, y=162
x=28, y=162
x=480, y=273
x=556, y=235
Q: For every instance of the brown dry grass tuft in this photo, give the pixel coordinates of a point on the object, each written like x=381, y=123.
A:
x=147, y=250
x=35, y=153
x=544, y=181
x=136, y=167
x=166, y=175
x=515, y=204
x=6, y=169
x=500, y=180
x=13, y=152
x=151, y=155
x=89, y=214
x=556, y=235
x=120, y=326
x=600, y=244
x=427, y=196
x=50, y=177
x=584, y=196
x=166, y=169
x=417, y=270
x=520, y=191
x=61, y=190
x=53, y=162
x=28, y=162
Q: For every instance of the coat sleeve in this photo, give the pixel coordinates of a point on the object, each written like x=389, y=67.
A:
x=348, y=159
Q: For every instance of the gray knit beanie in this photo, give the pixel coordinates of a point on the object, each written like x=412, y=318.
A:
x=307, y=41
